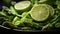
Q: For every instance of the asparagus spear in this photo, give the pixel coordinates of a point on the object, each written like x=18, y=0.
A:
x=22, y=19
x=53, y=21
x=7, y=21
x=11, y=10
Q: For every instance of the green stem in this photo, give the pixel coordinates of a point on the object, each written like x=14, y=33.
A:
x=22, y=19
x=11, y=10
x=36, y=1
x=50, y=23
x=3, y=23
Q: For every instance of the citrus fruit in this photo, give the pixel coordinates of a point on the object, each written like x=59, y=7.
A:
x=39, y=12
x=23, y=5
x=51, y=10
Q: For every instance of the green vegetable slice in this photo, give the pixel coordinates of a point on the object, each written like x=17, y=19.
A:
x=22, y=5
x=39, y=12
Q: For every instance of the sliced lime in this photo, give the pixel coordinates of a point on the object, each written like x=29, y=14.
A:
x=51, y=10
x=39, y=12
x=23, y=5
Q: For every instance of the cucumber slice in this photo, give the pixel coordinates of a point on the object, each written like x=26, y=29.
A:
x=40, y=12
x=23, y=5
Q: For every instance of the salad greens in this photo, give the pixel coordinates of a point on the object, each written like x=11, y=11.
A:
x=31, y=14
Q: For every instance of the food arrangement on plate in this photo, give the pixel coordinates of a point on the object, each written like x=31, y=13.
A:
x=31, y=14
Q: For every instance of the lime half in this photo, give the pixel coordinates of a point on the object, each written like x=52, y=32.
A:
x=39, y=12
x=22, y=5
